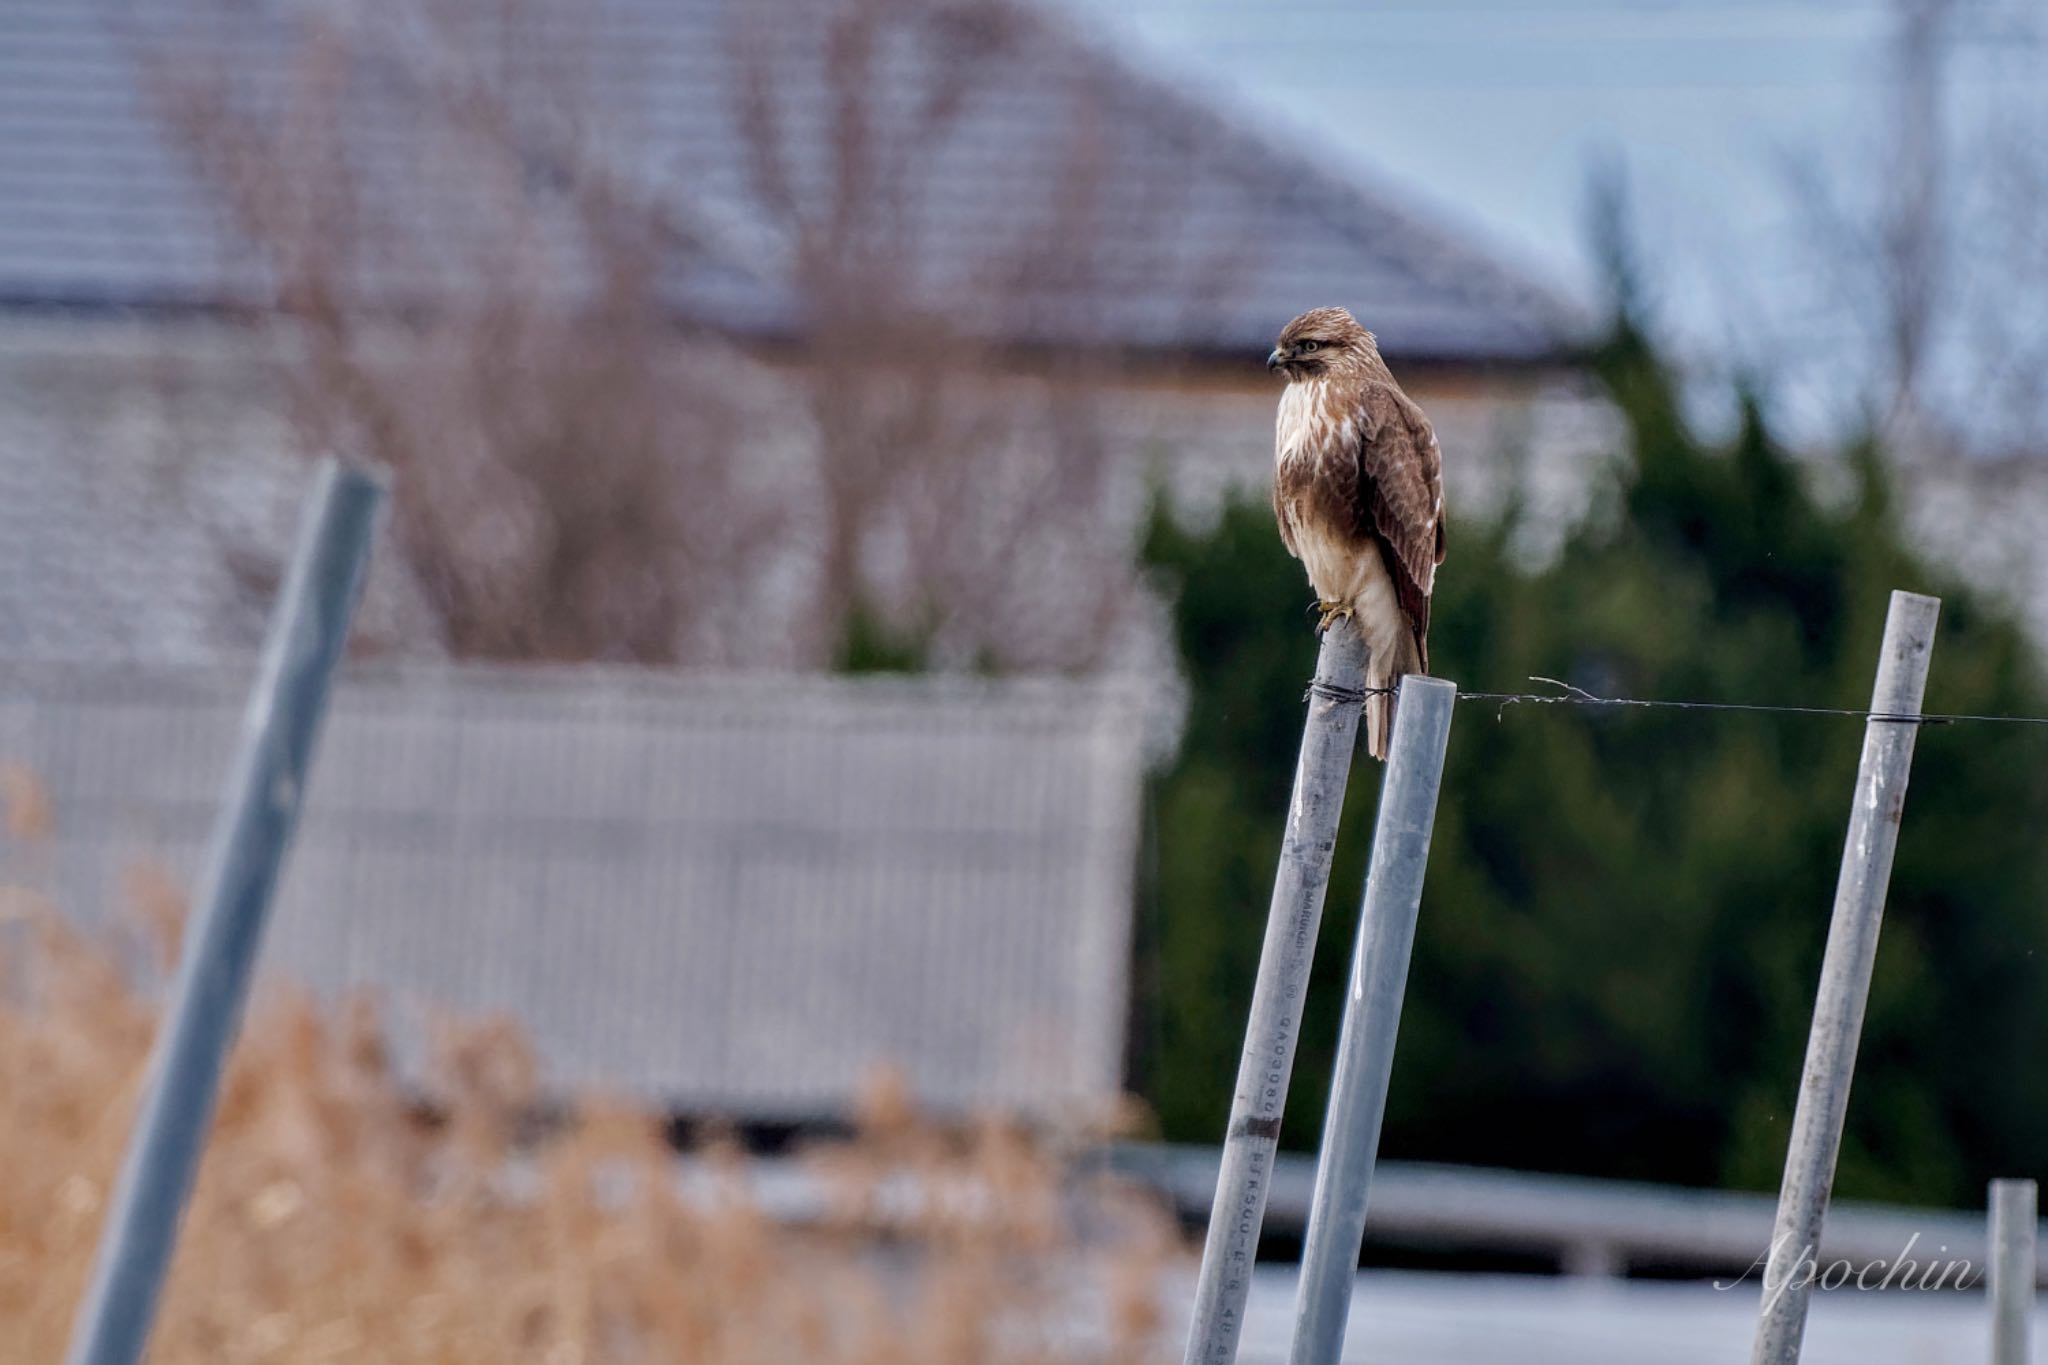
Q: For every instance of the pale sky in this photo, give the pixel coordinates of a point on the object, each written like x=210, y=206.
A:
x=1490, y=113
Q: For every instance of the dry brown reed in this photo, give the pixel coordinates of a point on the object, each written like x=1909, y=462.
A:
x=338, y=1219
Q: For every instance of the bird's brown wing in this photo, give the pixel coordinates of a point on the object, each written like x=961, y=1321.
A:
x=1283, y=480
x=1399, y=497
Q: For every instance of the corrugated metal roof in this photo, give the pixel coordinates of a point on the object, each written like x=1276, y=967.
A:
x=1204, y=236
x=733, y=894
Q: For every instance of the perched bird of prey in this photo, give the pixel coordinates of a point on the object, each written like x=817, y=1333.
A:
x=1358, y=490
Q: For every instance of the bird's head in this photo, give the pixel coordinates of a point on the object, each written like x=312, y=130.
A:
x=1320, y=341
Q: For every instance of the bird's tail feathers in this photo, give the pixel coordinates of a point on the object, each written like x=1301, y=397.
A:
x=1385, y=669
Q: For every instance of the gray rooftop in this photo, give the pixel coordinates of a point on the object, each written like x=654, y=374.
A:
x=1210, y=234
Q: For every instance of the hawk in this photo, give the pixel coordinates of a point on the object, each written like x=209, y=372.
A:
x=1358, y=490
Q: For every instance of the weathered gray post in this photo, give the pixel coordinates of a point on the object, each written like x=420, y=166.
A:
x=1245, y=1176
x=1372, y=1018
x=2014, y=1265
x=1845, y=977
x=249, y=839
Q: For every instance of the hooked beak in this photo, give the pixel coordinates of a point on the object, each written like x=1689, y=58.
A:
x=1276, y=361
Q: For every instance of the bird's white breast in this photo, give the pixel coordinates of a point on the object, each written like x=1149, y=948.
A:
x=1314, y=424
x=1301, y=409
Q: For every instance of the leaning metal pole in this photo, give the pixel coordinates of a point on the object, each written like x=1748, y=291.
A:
x=1372, y=1017
x=1245, y=1176
x=1845, y=971
x=255, y=825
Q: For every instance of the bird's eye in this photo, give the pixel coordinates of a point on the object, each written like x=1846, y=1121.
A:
x=1308, y=346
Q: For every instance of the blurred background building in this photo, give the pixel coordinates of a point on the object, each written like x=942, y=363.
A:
x=760, y=282
x=693, y=393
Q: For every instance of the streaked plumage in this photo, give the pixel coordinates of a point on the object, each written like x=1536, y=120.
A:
x=1358, y=491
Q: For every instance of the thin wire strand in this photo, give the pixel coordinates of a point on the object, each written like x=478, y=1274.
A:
x=1578, y=696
